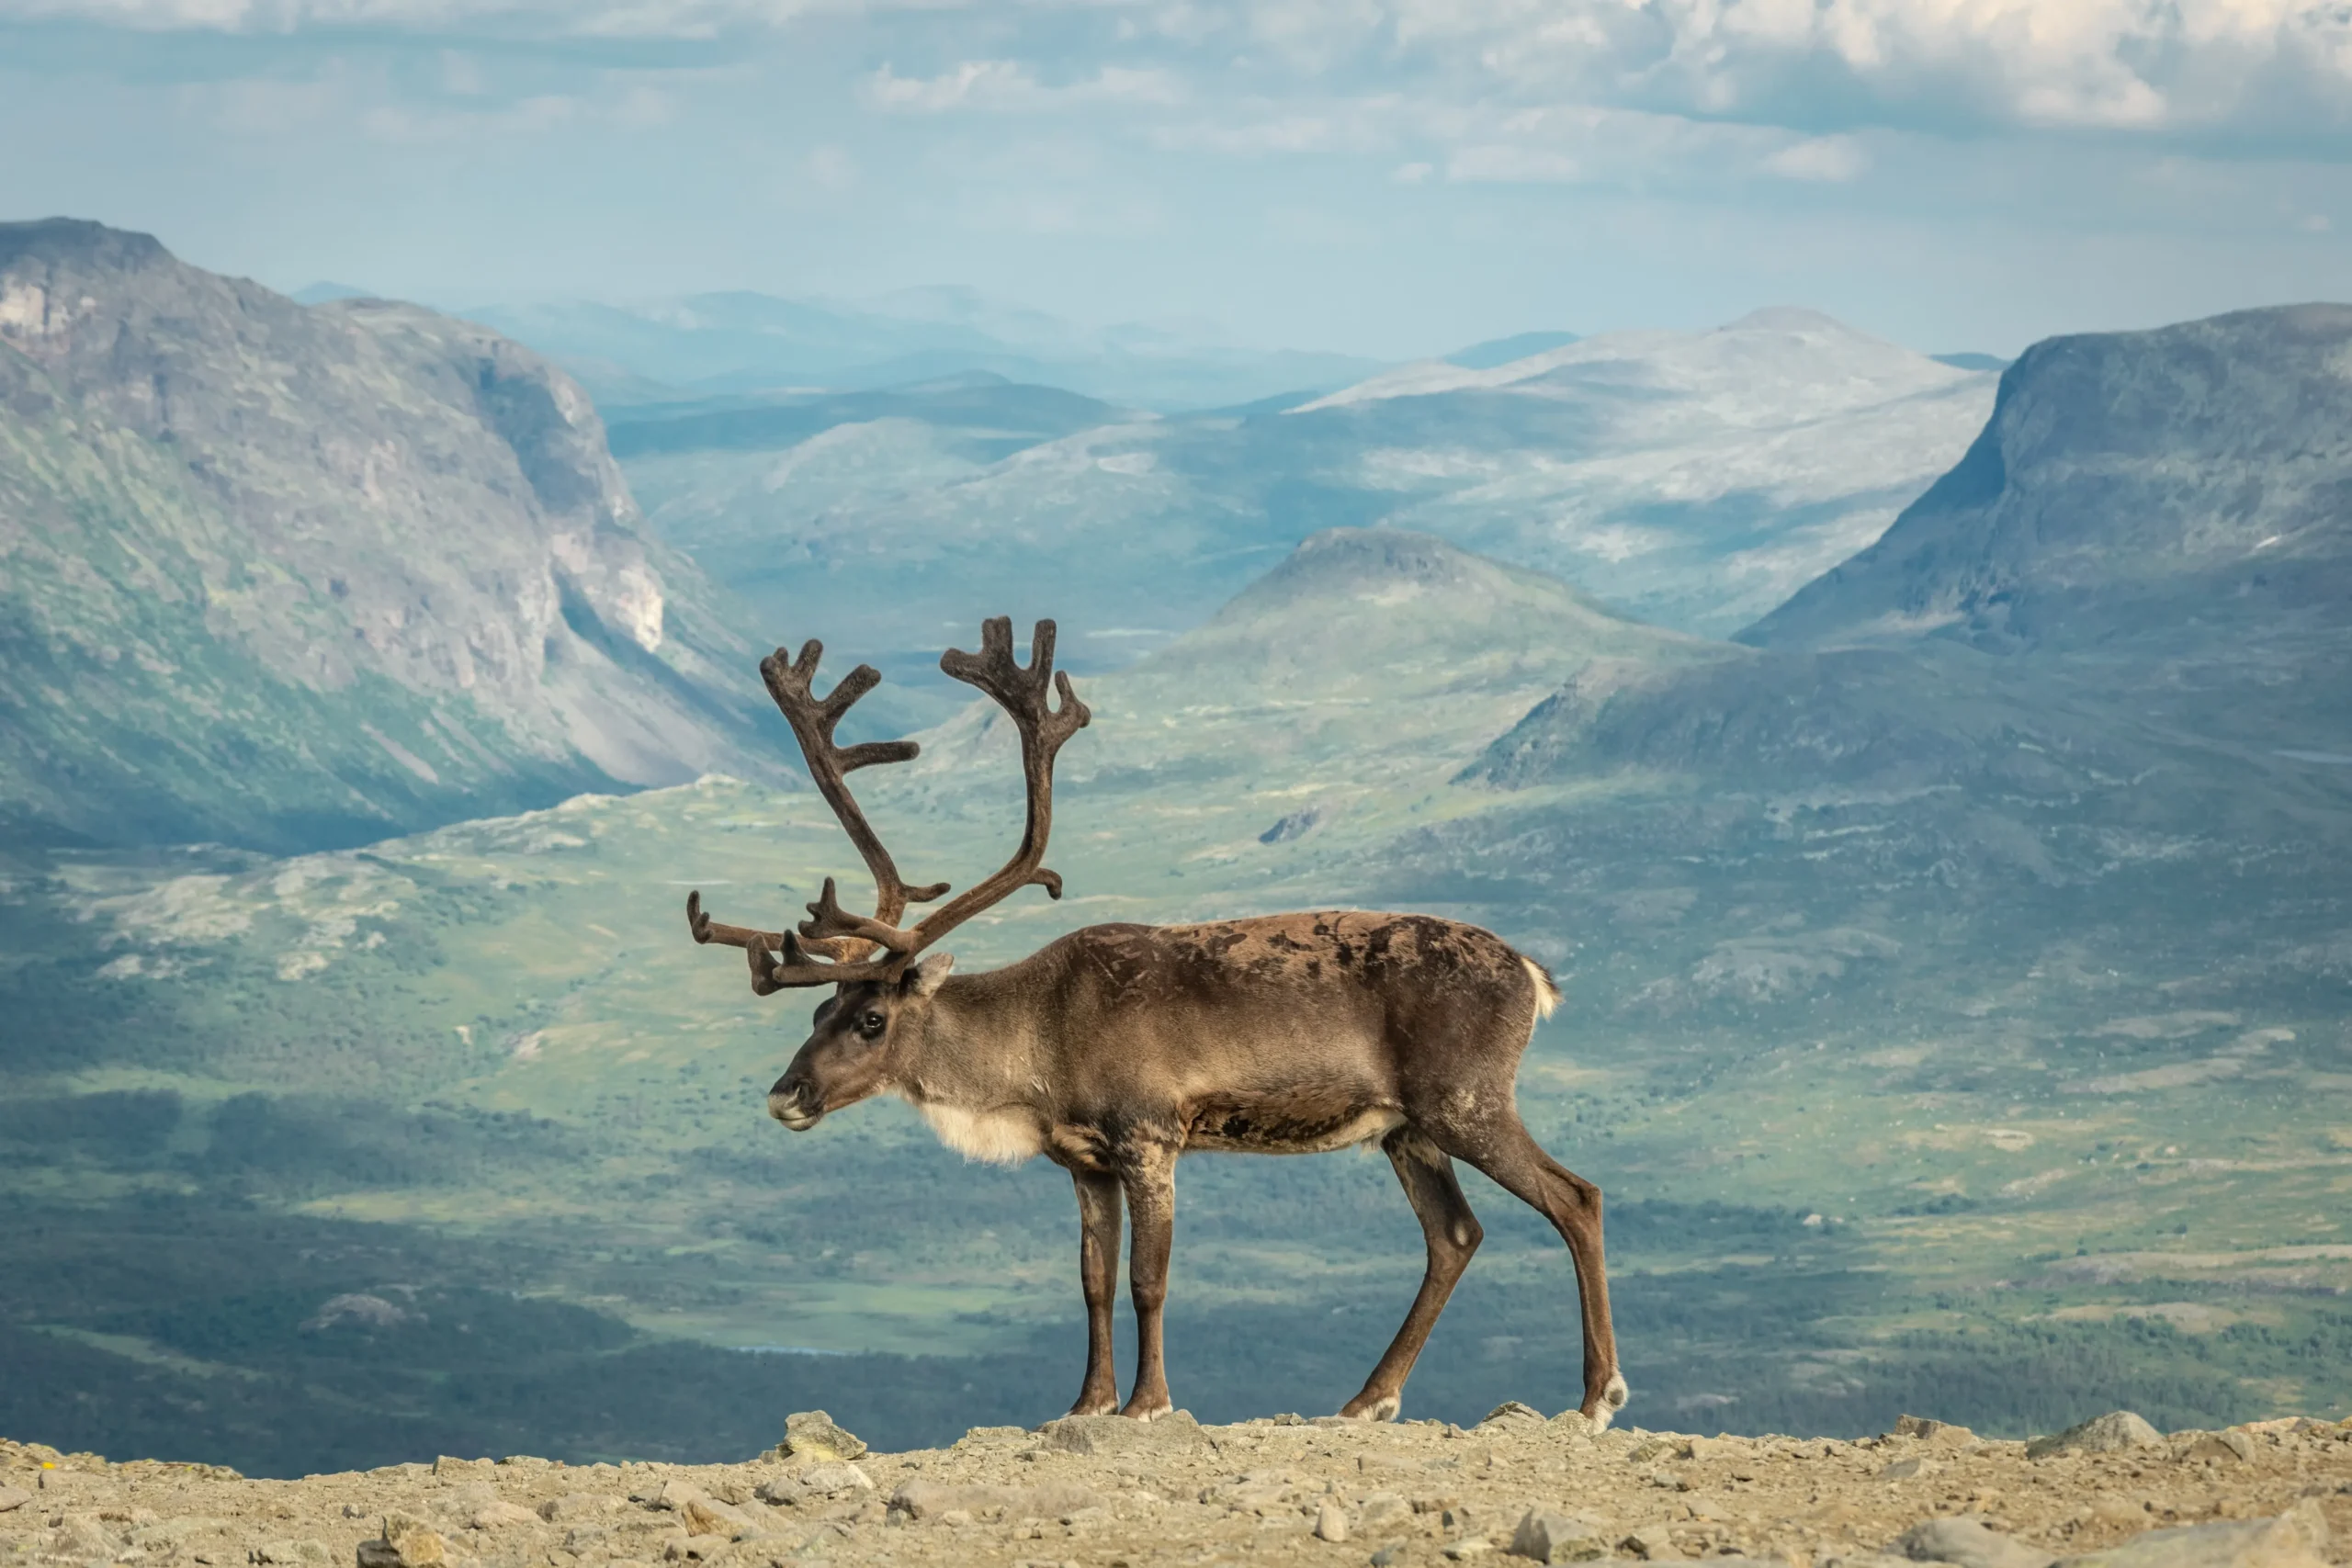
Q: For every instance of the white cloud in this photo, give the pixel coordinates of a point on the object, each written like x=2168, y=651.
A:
x=1830, y=159
x=2278, y=68
x=1007, y=85
x=1501, y=164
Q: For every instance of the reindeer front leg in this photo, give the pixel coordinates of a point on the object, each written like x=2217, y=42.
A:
x=1149, y=1177
x=1098, y=1273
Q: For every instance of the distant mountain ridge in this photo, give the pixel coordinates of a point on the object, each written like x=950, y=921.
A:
x=712, y=345
x=1690, y=480
x=284, y=575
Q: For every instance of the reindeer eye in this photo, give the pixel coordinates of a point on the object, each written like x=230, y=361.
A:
x=870, y=1023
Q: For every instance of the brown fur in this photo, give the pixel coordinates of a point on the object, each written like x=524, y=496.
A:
x=1118, y=1048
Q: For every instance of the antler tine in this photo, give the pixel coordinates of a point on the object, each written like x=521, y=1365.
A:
x=792, y=683
x=1022, y=694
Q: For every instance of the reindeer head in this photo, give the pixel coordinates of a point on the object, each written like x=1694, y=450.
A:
x=865, y=1034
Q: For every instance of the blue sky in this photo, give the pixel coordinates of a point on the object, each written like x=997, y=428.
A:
x=1390, y=177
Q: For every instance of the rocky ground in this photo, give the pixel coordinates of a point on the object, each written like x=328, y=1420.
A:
x=1104, y=1493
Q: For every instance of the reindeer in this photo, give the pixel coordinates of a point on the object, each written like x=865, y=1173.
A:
x=1116, y=1049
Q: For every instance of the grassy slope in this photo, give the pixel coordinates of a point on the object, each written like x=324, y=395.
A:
x=494, y=1040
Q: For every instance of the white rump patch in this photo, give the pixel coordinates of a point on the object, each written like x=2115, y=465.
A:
x=994, y=1138
x=1547, y=995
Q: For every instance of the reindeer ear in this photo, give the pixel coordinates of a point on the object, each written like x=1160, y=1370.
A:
x=926, y=977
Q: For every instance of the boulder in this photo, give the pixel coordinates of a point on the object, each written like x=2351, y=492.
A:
x=405, y=1543
x=1172, y=1433
x=2296, y=1539
x=2213, y=1448
x=1330, y=1520
x=812, y=1434
x=1968, y=1542
x=1942, y=1434
x=13, y=1498
x=2112, y=1433
x=499, y=1514
x=1547, y=1537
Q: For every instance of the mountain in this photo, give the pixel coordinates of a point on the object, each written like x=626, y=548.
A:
x=2158, y=516
x=711, y=344
x=284, y=575
x=1506, y=350
x=1924, y=1020
x=1691, y=480
x=2193, y=476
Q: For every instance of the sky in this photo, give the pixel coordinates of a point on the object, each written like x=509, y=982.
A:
x=1385, y=177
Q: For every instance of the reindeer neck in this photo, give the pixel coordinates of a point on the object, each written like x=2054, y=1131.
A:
x=980, y=1048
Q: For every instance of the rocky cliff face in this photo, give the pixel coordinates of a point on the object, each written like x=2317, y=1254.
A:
x=2189, y=479
x=279, y=574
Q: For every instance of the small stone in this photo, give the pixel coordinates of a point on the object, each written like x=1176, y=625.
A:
x=696, y=1548
x=1510, y=1412
x=2112, y=1433
x=1556, y=1538
x=1902, y=1469
x=405, y=1543
x=1649, y=1447
x=13, y=1498
x=447, y=1466
x=1330, y=1521
x=1383, y=1508
x=1967, y=1542
x=1652, y=1542
x=1942, y=1434
x=1574, y=1424
x=81, y=1535
x=812, y=1434
x=1388, y=1554
x=1456, y=1551
x=833, y=1480
x=2214, y=1447
x=499, y=1514
x=573, y=1505
x=707, y=1516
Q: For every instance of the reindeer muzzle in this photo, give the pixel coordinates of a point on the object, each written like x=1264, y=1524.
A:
x=792, y=1111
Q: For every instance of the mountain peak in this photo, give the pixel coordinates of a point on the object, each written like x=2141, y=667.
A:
x=79, y=242
x=1788, y=318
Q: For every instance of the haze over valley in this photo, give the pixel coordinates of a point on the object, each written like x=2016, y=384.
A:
x=1929, y=781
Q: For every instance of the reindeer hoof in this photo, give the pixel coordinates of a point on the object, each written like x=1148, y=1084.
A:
x=1612, y=1399
x=1134, y=1412
x=1378, y=1410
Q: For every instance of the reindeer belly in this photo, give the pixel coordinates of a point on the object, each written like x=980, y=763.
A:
x=1301, y=1122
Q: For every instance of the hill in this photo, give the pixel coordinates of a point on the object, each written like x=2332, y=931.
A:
x=1690, y=480
x=285, y=575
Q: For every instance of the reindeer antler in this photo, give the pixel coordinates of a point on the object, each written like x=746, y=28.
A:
x=834, y=946
x=1022, y=692
x=831, y=933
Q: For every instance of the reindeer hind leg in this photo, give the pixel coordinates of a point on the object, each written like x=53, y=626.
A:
x=1502, y=1147
x=1452, y=1232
